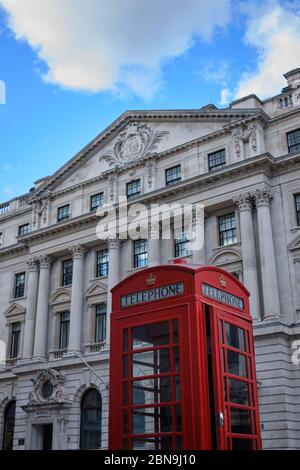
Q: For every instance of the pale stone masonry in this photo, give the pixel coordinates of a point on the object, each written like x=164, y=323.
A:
x=48, y=321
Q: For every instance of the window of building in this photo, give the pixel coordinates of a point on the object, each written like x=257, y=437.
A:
x=293, y=139
x=67, y=272
x=15, y=340
x=181, y=245
x=9, y=426
x=64, y=330
x=173, y=175
x=140, y=253
x=216, y=160
x=1, y=239
x=63, y=213
x=102, y=263
x=133, y=189
x=90, y=422
x=19, y=285
x=23, y=229
x=297, y=202
x=100, y=325
x=96, y=201
x=227, y=229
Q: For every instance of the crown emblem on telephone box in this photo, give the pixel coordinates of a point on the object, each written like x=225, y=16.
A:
x=151, y=279
x=223, y=281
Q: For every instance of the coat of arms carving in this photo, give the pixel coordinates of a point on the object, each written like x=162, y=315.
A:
x=136, y=141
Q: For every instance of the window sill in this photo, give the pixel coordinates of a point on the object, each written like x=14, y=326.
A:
x=14, y=299
x=99, y=278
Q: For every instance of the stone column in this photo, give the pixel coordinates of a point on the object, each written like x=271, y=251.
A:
x=262, y=198
x=153, y=246
x=32, y=292
x=41, y=324
x=78, y=253
x=114, y=246
x=244, y=203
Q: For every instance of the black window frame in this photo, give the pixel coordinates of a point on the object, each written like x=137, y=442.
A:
x=9, y=425
x=102, y=264
x=1, y=240
x=216, y=159
x=180, y=249
x=227, y=236
x=15, y=339
x=100, y=323
x=297, y=207
x=133, y=189
x=64, y=335
x=65, y=210
x=140, y=248
x=170, y=175
x=94, y=206
x=19, y=288
x=91, y=430
x=67, y=274
x=23, y=229
x=295, y=146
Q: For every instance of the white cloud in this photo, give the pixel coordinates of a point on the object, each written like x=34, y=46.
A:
x=275, y=33
x=225, y=96
x=97, y=45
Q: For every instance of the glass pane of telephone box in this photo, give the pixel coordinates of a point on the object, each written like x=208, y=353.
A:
x=156, y=390
x=151, y=362
x=148, y=336
x=152, y=420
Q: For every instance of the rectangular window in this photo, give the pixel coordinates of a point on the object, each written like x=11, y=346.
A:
x=1, y=239
x=64, y=330
x=67, y=272
x=102, y=263
x=19, y=285
x=216, y=160
x=100, y=326
x=227, y=229
x=297, y=202
x=133, y=189
x=15, y=340
x=63, y=213
x=96, y=201
x=173, y=175
x=293, y=139
x=181, y=245
x=140, y=253
x=23, y=229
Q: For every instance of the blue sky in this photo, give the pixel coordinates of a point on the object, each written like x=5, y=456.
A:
x=72, y=67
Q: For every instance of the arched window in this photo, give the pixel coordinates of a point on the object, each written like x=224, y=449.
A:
x=91, y=414
x=9, y=425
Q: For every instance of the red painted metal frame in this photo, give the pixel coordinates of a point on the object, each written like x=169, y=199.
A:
x=189, y=310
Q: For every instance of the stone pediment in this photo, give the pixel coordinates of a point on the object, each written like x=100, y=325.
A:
x=60, y=296
x=96, y=288
x=14, y=309
x=225, y=255
x=135, y=136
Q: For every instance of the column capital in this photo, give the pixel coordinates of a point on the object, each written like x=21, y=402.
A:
x=78, y=251
x=45, y=261
x=243, y=201
x=114, y=243
x=154, y=231
x=32, y=264
x=262, y=197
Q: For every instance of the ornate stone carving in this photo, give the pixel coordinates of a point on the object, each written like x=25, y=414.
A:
x=241, y=135
x=36, y=397
x=150, y=173
x=252, y=133
x=262, y=197
x=243, y=201
x=45, y=261
x=111, y=187
x=40, y=208
x=136, y=141
x=237, y=136
x=78, y=251
x=32, y=264
x=114, y=243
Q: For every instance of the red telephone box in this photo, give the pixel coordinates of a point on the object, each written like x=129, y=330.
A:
x=182, y=367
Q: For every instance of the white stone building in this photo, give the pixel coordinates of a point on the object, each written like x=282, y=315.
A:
x=243, y=164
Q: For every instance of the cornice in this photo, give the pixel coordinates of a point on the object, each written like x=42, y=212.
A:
x=13, y=250
x=167, y=115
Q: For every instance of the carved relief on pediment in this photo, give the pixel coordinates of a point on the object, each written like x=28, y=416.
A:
x=47, y=388
x=136, y=141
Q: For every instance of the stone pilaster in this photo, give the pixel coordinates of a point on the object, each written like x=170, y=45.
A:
x=32, y=292
x=78, y=253
x=114, y=246
x=154, y=245
x=41, y=325
x=250, y=273
x=263, y=198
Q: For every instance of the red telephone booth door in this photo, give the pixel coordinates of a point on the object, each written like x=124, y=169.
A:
x=152, y=373
x=233, y=381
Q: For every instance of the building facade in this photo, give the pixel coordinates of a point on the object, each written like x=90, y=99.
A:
x=243, y=164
